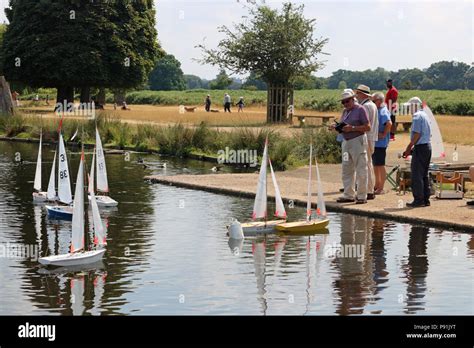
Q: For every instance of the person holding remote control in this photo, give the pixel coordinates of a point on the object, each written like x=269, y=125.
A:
x=353, y=126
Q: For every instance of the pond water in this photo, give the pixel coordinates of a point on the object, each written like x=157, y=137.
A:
x=168, y=253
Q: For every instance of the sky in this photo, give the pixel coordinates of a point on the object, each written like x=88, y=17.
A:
x=362, y=34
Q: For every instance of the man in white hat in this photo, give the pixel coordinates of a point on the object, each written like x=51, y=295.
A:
x=420, y=149
x=353, y=126
x=364, y=97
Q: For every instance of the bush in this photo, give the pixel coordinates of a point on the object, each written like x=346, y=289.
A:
x=12, y=125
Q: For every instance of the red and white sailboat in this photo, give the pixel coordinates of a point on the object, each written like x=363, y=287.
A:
x=78, y=255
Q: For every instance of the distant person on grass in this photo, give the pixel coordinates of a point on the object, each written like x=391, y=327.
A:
x=380, y=152
x=208, y=103
x=420, y=150
x=365, y=99
x=353, y=127
x=241, y=104
x=125, y=106
x=391, y=102
x=227, y=101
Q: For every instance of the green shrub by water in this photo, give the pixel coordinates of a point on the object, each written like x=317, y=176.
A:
x=180, y=140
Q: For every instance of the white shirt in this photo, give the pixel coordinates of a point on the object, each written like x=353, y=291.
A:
x=227, y=99
x=371, y=109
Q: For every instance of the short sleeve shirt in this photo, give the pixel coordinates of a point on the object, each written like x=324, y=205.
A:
x=384, y=117
x=357, y=116
x=422, y=126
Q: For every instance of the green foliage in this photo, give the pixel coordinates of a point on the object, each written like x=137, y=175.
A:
x=276, y=45
x=12, y=125
x=222, y=81
x=167, y=75
x=80, y=43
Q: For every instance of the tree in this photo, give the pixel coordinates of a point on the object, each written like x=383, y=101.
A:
x=277, y=45
x=167, y=75
x=448, y=75
x=222, y=81
x=342, y=85
x=67, y=44
x=193, y=82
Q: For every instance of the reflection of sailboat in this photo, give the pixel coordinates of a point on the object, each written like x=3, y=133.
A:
x=64, y=185
x=77, y=255
x=103, y=200
x=309, y=225
x=260, y=204
x=259, y=261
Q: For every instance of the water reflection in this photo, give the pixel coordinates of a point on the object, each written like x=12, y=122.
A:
x=166, y=244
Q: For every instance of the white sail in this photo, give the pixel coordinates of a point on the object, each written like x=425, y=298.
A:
x=279, y=206
x=37, y=185
x=308, y=205
x=77, y=242
x=64, y=184
x=99, y=231
x=102, y=183
x=52, y=181
x=321, y=210
x=437, y=146
x=260, y=205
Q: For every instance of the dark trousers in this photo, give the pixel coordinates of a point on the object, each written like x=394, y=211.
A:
x=208, y=107
x=393, y=118
x=420, y=183
x=227, y=107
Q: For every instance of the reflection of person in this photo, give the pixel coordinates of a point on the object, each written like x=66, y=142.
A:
x=391, y=102
x=354, y=149
x=420, y=148
x=227, y=102
x=380, y=152
x=241, y=104
x=208, y=103
x=365, y=99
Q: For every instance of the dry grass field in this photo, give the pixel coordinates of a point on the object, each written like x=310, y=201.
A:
x=455, y=129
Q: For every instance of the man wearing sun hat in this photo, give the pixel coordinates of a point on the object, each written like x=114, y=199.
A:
x=364, y=97
x=420, y=149
x=354, y=124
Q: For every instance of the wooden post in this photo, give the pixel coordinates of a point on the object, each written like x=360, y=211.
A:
x=6, y=100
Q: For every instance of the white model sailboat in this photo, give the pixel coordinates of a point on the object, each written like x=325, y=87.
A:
x=437, y=146
x=103, y=200
x=309, y=225
x=260, y=204
x=78, y=255
x=63, y=211
x=38, y=195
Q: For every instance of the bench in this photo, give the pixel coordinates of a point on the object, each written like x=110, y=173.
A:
x=406, y=125
x=301, y=118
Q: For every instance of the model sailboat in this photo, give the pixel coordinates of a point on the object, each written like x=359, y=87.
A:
x=309, y=225
x=77, y=254
x=261, y=200
x=63, y=210
x=38, y=195
x=437, y=146
x=103, y=200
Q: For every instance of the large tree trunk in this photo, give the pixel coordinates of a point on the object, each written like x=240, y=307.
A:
x=101, y=96
x=6, y=100
x=85, y=95
x=278, y=102
x=64, y=97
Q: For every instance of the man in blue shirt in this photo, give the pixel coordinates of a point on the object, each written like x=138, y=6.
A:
x=380, y=153
x=420, y=148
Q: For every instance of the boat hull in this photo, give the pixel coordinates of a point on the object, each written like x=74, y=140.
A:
x=41, y=197
x=303, y=226
x=105, y=201
x=76, y=259
x=60, y=212
x=260, y=227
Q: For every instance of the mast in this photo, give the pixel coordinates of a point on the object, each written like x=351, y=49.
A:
x=308, y=205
